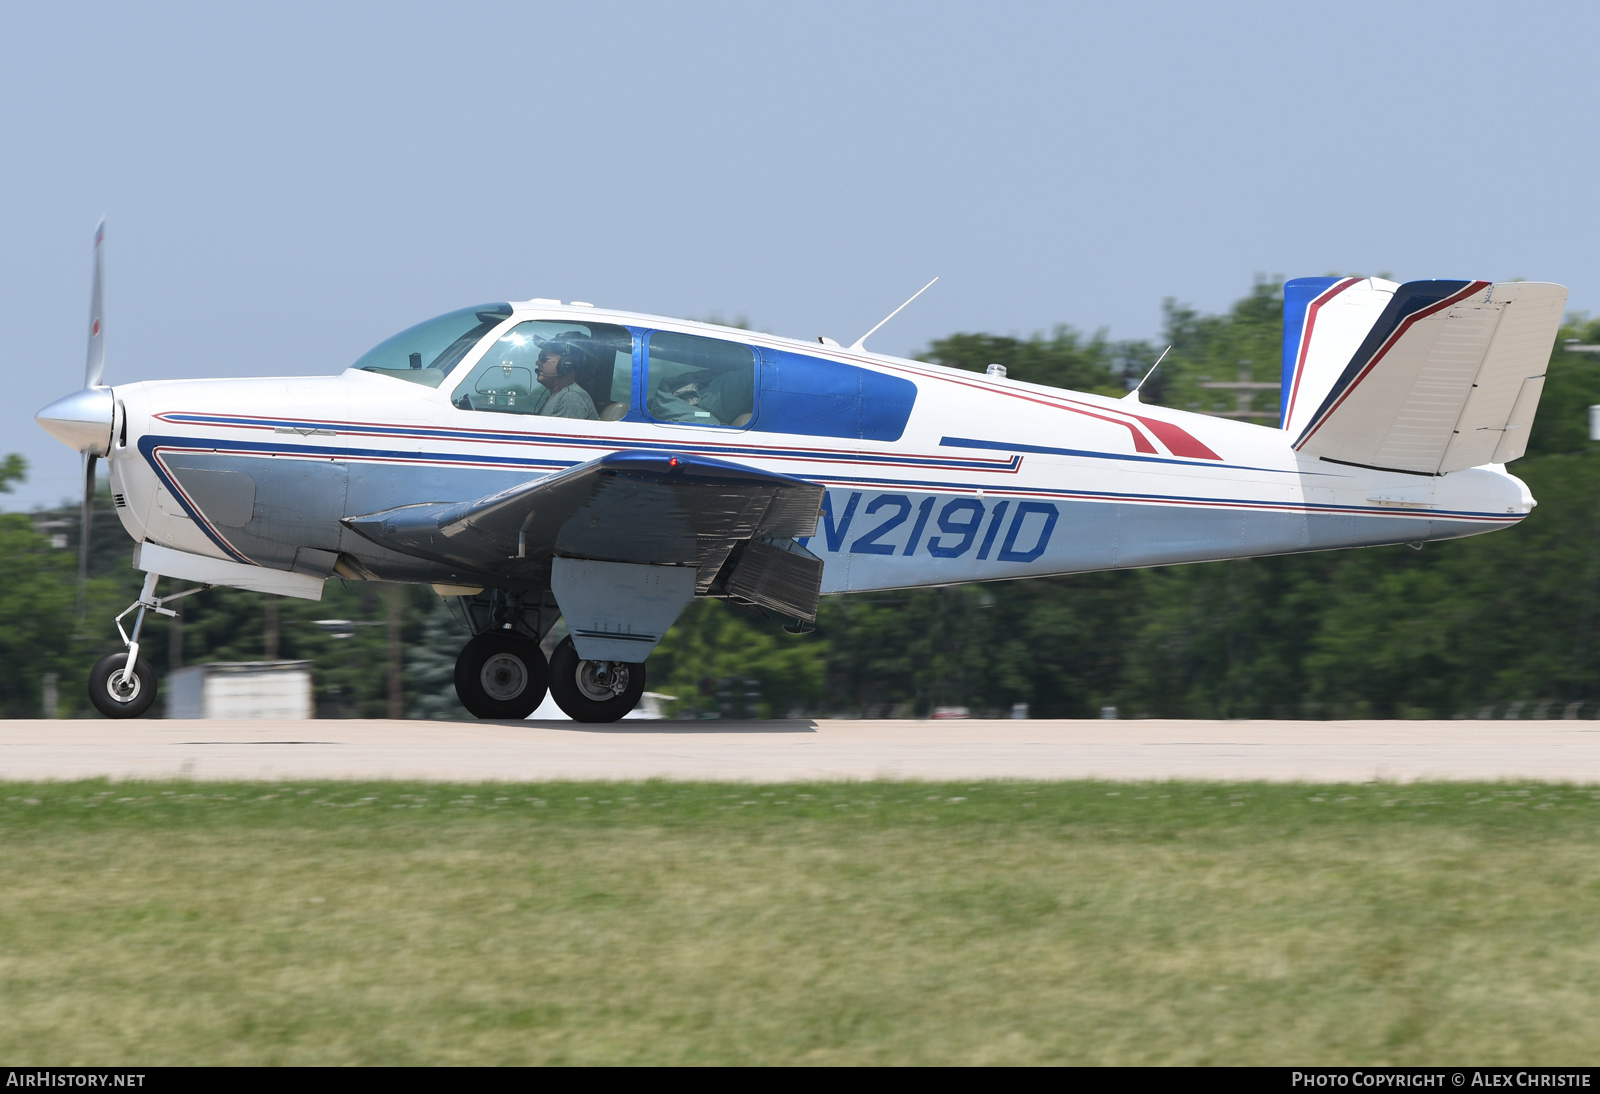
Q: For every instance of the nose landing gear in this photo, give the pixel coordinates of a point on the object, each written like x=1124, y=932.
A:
x=121, y=685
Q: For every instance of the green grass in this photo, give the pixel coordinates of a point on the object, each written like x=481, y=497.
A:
x=997, y=922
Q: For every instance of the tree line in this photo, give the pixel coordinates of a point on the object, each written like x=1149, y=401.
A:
x=1501, y=624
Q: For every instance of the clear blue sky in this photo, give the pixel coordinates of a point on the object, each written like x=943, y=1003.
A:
x=288, y=184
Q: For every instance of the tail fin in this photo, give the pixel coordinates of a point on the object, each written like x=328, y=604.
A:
x=1426, y=377
x=1324, y=321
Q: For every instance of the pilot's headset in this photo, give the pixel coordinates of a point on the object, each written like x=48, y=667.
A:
x=567, y=350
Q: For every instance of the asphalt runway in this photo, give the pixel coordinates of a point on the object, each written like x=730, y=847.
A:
x=779, y=751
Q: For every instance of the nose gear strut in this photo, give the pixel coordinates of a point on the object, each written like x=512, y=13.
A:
x=119, y=685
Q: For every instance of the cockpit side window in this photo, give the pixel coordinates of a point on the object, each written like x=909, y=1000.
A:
x=702, y=381
x=425, y=354
x=553, y=368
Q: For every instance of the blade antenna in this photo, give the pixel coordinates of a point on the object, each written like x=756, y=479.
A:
x=1134, y=394
x=861, y=343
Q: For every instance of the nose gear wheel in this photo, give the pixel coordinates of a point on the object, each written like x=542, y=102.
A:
x=118, y=698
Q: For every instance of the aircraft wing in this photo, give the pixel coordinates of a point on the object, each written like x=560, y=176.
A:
x=635, y=507
x=1448, y=377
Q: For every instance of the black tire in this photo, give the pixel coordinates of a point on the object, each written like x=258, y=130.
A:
x=593, y=691
x=126, y=702
x=501, y=674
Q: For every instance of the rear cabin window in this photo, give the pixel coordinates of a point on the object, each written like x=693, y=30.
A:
x=553, y=369
x=822, y=398
x=700, y=381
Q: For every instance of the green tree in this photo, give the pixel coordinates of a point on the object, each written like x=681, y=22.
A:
x=36, y=614
x=39, y=627
x=715, y=641
x=431, y=664
x=349, y=663
x=13, y=468
x=1247, y=341
x=1053, y=643
x=1065, y=359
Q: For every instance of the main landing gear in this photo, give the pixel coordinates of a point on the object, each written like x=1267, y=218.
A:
x=594, y=691
x=503, y=674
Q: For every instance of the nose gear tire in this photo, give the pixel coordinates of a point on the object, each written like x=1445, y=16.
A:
x=128, y=700
x=593, y=691
x=501, y=674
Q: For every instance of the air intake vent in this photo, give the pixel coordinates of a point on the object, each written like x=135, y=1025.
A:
x=122, y=502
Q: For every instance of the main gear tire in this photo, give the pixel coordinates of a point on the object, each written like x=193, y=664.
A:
x=501, y=675
x=594, y=691
x=118, y=699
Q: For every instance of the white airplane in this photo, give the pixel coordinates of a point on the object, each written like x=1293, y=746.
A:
x=546, y=461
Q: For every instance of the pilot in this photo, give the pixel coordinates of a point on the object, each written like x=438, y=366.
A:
x=558, y=373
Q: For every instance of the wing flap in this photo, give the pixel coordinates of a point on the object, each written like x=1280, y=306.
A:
x=778, y=574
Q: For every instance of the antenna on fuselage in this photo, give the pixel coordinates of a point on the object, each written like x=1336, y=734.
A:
x=1133, y=395
x=861, y=343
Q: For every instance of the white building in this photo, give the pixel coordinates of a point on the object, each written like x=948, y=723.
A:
x=241, y=689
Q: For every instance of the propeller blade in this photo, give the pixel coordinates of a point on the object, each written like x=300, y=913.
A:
x=96, y=367
x=85, y=523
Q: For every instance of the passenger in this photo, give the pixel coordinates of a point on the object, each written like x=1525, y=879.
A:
x=689, y=393
x=683, y=400
x=558, y=373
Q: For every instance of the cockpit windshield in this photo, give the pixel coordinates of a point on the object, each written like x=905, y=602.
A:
x=425, y=353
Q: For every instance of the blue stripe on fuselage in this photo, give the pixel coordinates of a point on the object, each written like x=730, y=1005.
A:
x=609, y=443
x=1008, y=446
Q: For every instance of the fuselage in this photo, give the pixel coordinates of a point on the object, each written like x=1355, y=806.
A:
x=933, y=475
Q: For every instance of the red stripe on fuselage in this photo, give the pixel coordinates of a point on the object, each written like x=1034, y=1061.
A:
x=1179, y=441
